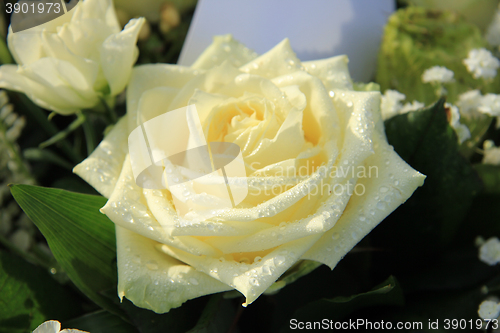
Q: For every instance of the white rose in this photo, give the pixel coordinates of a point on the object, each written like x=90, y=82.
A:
x=73, y=61
x=284, y=115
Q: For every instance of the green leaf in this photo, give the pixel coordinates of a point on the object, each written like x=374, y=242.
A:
x=490, y=175
x=426, y=141
x=80, y=237
x=216, y=317
x=178, y=320
x=100, y=322
x=29, y=296
x=387, y=293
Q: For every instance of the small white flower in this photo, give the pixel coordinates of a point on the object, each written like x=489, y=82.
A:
x=491, y=153
x=489, y=252
x=53, y=326
x=391, y=103
x=489, y=309
x=490, y=105
x=437, y=74
x=462, y=130
x=481, y=64
x=468, y=103
x=413, y=106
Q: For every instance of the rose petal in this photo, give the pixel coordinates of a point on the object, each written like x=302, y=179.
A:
x=118, y=55
x=224, y=48
x=102, y=168
x=249, y=279
x=153, y=280
x=395, y=183
x=333, y=72
x=278, y=61
x=126, y=208
x=12, y=78
x=147, y=77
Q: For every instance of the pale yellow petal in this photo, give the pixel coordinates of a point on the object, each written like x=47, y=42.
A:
x=390, y=185
x=280, y=60
x=251, y=279
x=154, y=280
x=333, y=72
x=118, y=55
x=103, y=167
x=146, y=77
x=127, y=207
x=224, y=48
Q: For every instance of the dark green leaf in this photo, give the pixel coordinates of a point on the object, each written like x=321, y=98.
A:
x=178, y=320
x=80, y=237
x=388, y=294
x=100, y=322
x=29, y=296
x=490, y=175
x=216, y=317
x=426, y=141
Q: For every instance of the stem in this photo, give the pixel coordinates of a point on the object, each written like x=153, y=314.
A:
x=40, y=117
x=89, y=135
x=110, y=112
x=80, y=119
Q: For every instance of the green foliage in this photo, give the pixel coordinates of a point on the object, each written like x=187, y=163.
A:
x=416, y=39
x=80, y=237
x=29, y=296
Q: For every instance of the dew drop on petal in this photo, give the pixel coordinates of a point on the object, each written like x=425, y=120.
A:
x=152, y=265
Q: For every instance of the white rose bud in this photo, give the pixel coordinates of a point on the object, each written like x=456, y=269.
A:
x=73, y=61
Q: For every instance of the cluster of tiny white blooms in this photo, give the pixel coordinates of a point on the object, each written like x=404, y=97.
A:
x=437, y=74
x=462, y=130
x=481, y=64
x=413, y=106
x=391, y=103
x=493, y=31
x=469, y=102
x=489, y=252
x=491, y=153
x=489, y=309
x=490, y=105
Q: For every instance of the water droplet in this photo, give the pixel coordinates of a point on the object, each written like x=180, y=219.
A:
x=136, y=259
x=396, y=182
x=152, y=265
x=349, y=104
x=362, y=218
x=257, y=259
x=331, y=93
x=381, y=205
x=354, y=235
x=335, y=236
x=53, y=271
x=254, y=282
x=337, y=248
x=193, y=281
x=279, y=260
x=280, y=237
x=186, y=193
x=326, y=215
x=383, y=189
x=372, y=211
x=127, y=248
x=127, y=217
x=328, y=249
x=266, y=269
